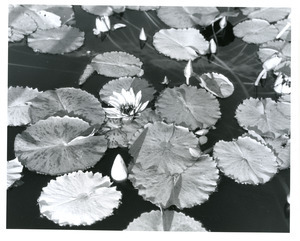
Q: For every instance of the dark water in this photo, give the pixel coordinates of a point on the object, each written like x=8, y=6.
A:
x=233, y=207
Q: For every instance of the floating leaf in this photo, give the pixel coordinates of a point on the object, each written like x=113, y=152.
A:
x=57, y=40
x=142, y=8
x=245, y=160
x=87, y=72
x=102, y=10
x=265, y=116
x=189, y=107
x=79, y=198
x=117, y=64
x=269, y=14
x=166, y=221
x=180, y=44
x=14, y=170
x=59, y=145
x=18, y=105
x=189, y=187
x=166, y=147
x=283, y=26
x=217, y=84
x=255, y=31
x=278, y=47
x=186, y=17
x=65, y=101
x=19, y=23
x=137, y=84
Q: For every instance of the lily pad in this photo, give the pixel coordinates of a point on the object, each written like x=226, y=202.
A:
x=59, y=145
x=102, y=10
x=19, y=103
x=165, y=221
x=137, y=84
x=180, y=44
x=279, y=47
x=79, y=198
x=67, y=101
x=246, y=160
x=267, y=117
x=186, y=17
x=189, y=107
x=117, y=64
x=217, y=84
x=14, y=170
x=188, y=187
x=142, y=8
x=287, y=34
x=57, y=40
x=269, y=14
x=255, y=31
x=19, y=23
x=165, y=147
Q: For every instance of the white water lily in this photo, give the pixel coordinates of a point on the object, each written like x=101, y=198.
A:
x=142, y=35
x=223, y=22
x=188, y=71
x=212, y=46
x=102, y=25
x=119, y=171
x=125, y=104
x=282, y=84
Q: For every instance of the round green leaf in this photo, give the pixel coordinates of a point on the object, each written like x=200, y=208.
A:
x=59, y=145
x=57, y=40
x=269, y=14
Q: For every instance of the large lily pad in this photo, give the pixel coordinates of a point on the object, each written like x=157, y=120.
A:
x=57, y=40
x=14, y=170
x=165, y=147
x=79, y=198
x=67, y=101
x=18, y=105
x=246, y=160
x=180, y=44
x=186, y=17
x=100, y=10
x=165, y=221
x=137, y=84
x=186, y=188
x=269, y=14
x=279, y=47
x=255, y=31
x=117, y=64
x=189, y=107
x=267, y=117
x=59, y=145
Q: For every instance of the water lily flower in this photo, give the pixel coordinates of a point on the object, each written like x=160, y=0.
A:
x=269, y=64
x=282, y=84
x=142, y=38
x=212, y=46
x=223, y=22
x=119, y=171
x=166, y=81
x=102, y=25
x=125, y=104
x=188, y=71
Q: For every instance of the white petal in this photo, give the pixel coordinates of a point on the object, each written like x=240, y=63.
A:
x=106, y=21
x=114, y=102
x=144, y=106
x=101, y=25
x=138, y=98
x=188, y=70
x=223, y=22
x=143, y=36
x=202, y=132
x=119, y=170
x=271, y=63
x=212, y=46
x=121, y=99
x=113, y=113
x=118, y=25
x=195, y=152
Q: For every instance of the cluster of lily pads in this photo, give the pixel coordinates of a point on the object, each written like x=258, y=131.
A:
x=69, y=130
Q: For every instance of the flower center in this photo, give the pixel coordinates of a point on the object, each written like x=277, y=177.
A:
x=127, y=109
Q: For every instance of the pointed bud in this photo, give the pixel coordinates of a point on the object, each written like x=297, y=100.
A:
x=119, y=170
x=212, y=46
x=223, y=22
x=142, y=36
x=188, y=70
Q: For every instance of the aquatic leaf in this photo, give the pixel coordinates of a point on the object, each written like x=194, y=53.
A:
x=119, y=170
x=87, y=72
x=142, y=8
x=217, y=84
x=102, y=10
x=137, y=84
x=186, y=17
x=189, y=187
x=117, y=64
x=59, y=145
x=57, y=40
x=245, y=160
x=166, y=147
x=14, y=170
x=67, y=101
x=269, y=14
x=281, y=148
x=79, y=198
x=277, y=47
x=19, y=23
x=180, y=44
x=18, y=105
x=165, y=221
x=265, y=116
x=116, y=138
x=283, y=68
x=255, y=31
x=189, y=107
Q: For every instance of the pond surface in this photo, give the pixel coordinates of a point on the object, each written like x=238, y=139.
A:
x=233, y=207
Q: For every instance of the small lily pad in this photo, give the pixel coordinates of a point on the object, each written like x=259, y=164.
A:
x=57, y=40
x=279, y=47
x=59, y=145
x=79, y=198
x=117, y=64
x=14, y=170
x=255, y=31
x=142, y=8
x=189, y=107
x=180, y=44
x=165, y=221
x=102, y=10
x=269, y=14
